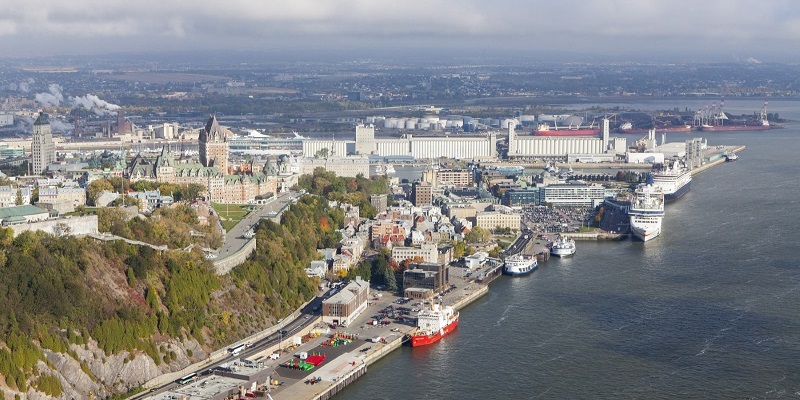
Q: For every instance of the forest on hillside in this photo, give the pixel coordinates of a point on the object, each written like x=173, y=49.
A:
x=63, y=292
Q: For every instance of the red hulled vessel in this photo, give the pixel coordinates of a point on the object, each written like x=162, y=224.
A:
x=547, y=130
x=433, y=325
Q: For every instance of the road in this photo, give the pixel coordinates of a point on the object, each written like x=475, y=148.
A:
x=297, y=324
x=234, y=239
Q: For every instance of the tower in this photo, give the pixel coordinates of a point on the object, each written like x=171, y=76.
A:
x=512, y=142
x=213, y=142
x=43, y=151
x=365, y=139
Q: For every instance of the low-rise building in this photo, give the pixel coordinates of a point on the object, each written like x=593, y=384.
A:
x=432, y=276
x=351, y=166
x=522, y=197
x=22, y=214
x=498, y=220
x=9, y=196
x=75, y=197
x=577, y=194
x=151, y=199
x=427, y=252
x=346, y=305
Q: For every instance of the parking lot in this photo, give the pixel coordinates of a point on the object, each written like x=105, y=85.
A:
x=558, y=219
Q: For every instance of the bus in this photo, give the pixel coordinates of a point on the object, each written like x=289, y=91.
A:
x=236, y=350
x=187, y=379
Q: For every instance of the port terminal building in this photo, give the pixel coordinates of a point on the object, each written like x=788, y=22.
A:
x=343, y=307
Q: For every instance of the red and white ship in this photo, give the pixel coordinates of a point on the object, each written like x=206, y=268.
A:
x=627, y=128
x=433, y=325
x=547, y=130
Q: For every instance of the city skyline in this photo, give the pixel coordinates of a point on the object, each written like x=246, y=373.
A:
x=679, y=30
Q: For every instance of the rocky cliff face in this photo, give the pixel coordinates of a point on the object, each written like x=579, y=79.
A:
x=103, y=375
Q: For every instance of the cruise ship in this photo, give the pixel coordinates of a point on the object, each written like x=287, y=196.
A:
x=433, y=325
x=674, y=181
x=520, y=264
x=646, y=212
x=563, y=246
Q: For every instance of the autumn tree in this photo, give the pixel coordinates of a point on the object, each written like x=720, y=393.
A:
x=96, y=188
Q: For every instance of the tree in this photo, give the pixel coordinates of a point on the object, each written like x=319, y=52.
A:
x=459, y=248
x=97, y=187
x=18, y=200
x=364, y=270
x=322, y=153
x=477, y=235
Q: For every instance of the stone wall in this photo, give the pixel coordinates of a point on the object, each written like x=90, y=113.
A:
x=225, y=265
x=85, y=225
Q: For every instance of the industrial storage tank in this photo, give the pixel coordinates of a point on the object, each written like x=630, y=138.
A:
x=509, y=121
x=572, y=120
x=391, y=123
x=411, y=123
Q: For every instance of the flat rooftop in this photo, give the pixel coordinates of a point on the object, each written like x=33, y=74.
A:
x=211, y=387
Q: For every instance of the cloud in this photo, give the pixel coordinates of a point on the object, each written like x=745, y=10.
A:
x=51, y=99
x=601, y=26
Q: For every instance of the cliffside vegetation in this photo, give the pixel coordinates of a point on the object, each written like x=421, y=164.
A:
x=63, y=294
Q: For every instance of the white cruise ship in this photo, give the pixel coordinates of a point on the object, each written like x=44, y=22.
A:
x=563, y=246
x=520, y=264
x=674, y=181
x=646, y=212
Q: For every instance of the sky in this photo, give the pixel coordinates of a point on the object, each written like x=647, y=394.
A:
x=721, y=30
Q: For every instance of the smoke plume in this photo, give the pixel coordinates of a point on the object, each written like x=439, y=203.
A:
x=23, y=86
x=94, y=103
x=51, y=99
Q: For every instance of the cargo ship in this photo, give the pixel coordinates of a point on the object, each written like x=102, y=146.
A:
x=726, y=128
x=434, y=324
x=547, y=130
x=627, y=128
x=713, y=120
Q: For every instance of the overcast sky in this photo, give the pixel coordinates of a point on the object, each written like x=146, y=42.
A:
x=682, y=29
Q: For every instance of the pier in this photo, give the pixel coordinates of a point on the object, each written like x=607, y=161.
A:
x=717, y=161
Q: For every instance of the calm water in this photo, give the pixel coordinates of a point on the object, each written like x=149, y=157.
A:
x=707, y=310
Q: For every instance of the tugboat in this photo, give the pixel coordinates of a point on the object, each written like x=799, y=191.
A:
x=433, y=325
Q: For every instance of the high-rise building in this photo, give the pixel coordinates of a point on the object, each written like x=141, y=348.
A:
x=365, y=139
x=379, y=202
x=43, y=151
x=422, y=193
x=213, y=142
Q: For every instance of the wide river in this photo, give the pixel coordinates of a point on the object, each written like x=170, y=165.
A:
x=710, y=309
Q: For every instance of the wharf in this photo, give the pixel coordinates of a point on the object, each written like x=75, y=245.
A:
x=717, y=161
x=372, y=343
